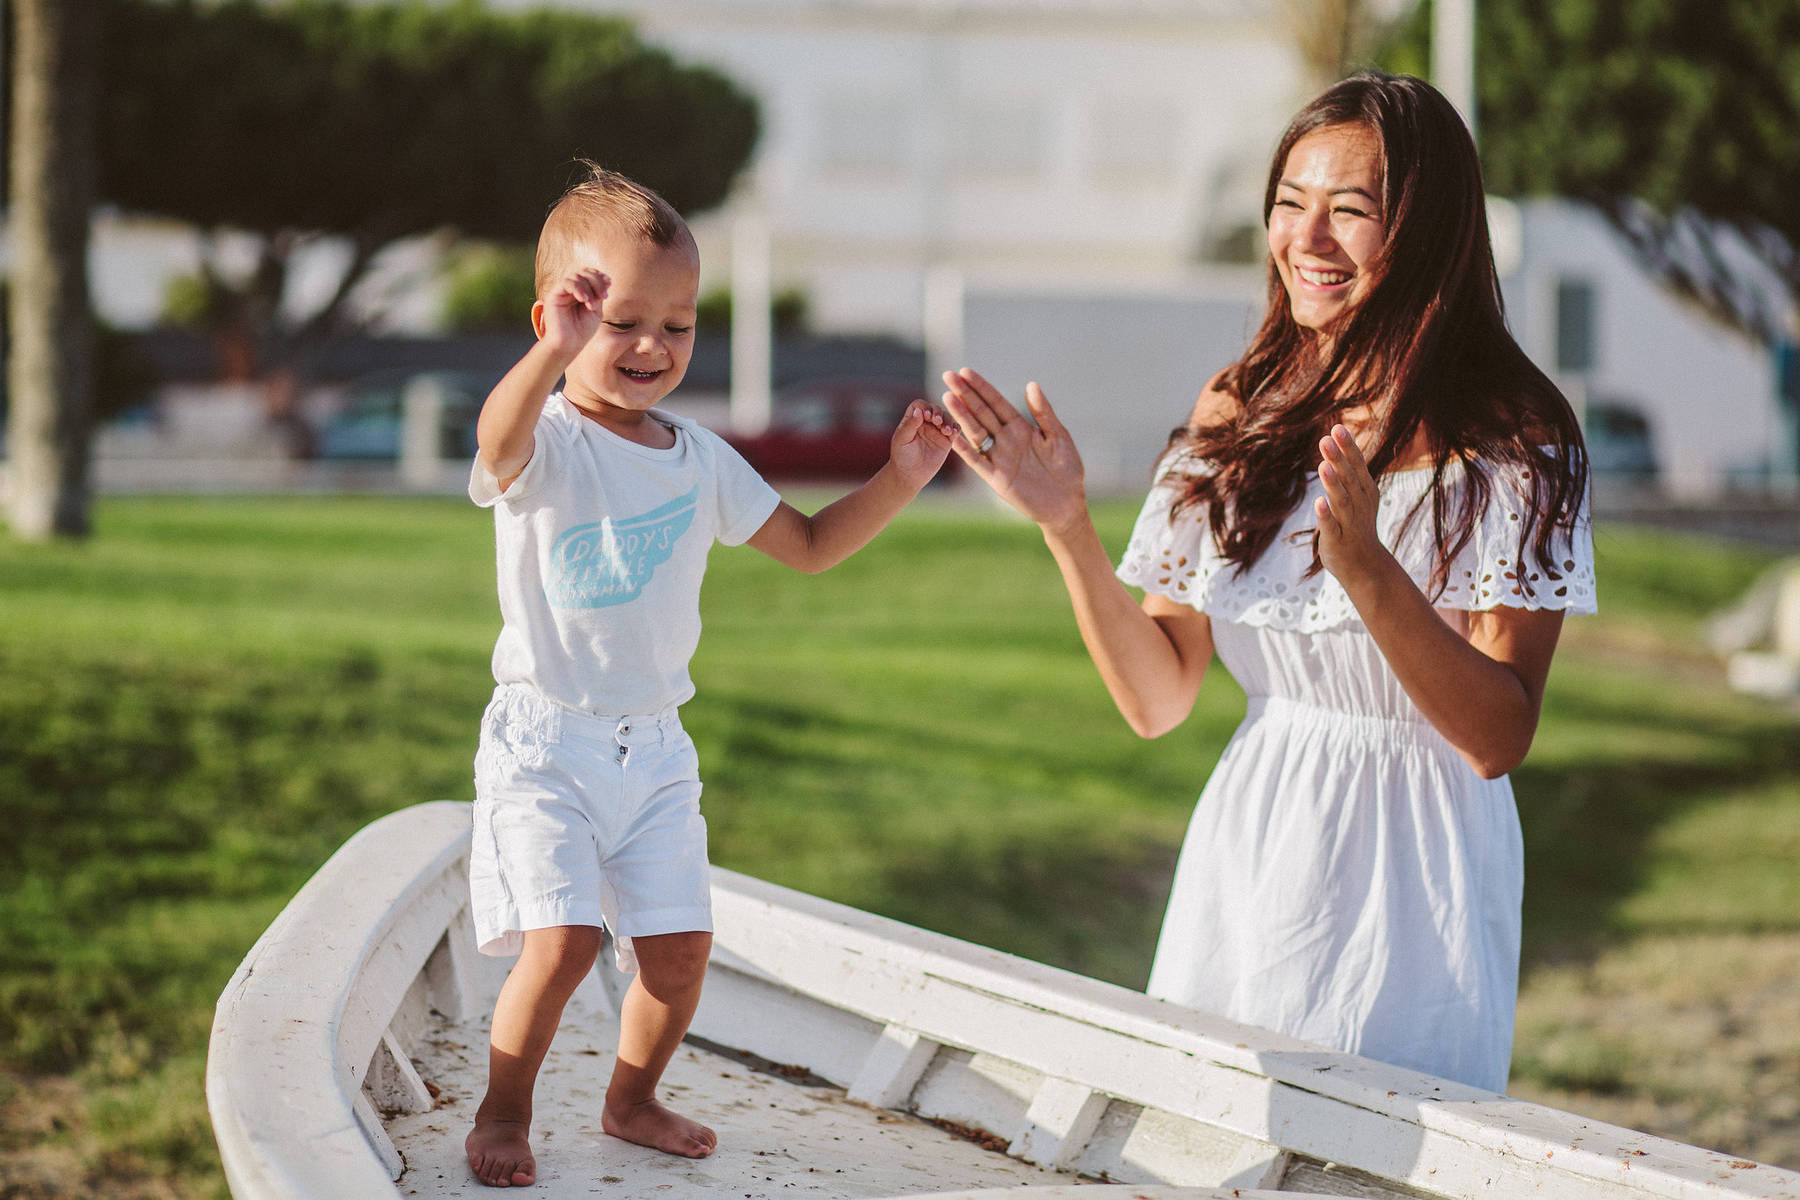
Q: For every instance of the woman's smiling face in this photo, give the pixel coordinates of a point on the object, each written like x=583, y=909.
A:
x=1326, y=225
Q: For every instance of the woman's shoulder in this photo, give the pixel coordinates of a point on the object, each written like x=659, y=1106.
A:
x=1182, y=460
x=1216, y=405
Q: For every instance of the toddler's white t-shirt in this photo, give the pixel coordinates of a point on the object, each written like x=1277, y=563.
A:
x=600, y=546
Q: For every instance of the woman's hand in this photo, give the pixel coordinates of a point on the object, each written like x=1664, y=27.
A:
x=1482, y=689
x=1034, y=468
x=1349, y=546
x=1152, y=657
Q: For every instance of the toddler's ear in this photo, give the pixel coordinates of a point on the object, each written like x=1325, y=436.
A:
x=537, y=317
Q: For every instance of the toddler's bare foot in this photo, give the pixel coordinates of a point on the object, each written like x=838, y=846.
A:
x=648, y=1123
x=500, y=1153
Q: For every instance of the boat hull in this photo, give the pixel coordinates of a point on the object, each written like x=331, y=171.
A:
x=319, y=1039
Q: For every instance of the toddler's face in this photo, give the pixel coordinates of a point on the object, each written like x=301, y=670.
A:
x=646, y=335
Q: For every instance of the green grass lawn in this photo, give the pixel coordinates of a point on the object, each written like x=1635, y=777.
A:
x=207, y=698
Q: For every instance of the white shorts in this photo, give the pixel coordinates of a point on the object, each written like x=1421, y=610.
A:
x=585, y=820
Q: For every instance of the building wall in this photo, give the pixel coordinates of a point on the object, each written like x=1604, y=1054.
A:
x=1107, y=140
x=1123, y=365
x=1122, y=369
x=936, y=169
x=1708, y=393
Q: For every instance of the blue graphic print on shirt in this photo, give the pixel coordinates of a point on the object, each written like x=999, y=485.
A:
x=609, y=562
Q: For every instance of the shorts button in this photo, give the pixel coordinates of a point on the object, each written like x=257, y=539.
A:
x=624, y=729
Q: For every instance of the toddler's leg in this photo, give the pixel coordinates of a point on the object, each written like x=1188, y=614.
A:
x=655, y=1016
x=525, y=1019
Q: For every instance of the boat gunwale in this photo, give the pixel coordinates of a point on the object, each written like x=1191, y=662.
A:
x=319, y=996
x=283, y=1089
x=1551, y=1152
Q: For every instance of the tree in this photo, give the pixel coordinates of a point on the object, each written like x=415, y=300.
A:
x=50, y=357
x=1337, y=37
x=1675, y=119
x=379, y=123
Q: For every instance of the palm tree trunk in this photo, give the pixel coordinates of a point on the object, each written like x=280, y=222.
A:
x=49, y=363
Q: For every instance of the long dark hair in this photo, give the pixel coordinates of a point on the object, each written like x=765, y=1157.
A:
x=1428, y=342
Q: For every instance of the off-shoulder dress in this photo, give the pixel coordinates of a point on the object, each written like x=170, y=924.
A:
x=1347, y=878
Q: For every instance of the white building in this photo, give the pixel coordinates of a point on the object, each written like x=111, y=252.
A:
x=1106, y=141
x=1056, y=189
x=1622, y=346
x=1047, y=188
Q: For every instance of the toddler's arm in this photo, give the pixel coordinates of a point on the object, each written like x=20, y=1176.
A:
x=840, y=529
x=565, y=319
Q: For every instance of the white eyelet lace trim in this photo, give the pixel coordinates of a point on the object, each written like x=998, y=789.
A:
x=1180, y=562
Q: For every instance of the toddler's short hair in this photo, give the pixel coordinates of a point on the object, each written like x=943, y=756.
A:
x=604, y=195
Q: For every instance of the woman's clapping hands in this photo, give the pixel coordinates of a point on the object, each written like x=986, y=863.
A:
x=1032, y=463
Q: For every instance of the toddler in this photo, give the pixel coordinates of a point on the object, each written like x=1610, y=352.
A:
x=587, y=792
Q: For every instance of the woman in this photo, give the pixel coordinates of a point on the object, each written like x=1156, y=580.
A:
x=1376, y=517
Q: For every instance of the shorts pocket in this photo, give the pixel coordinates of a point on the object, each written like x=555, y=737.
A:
x=518, y=729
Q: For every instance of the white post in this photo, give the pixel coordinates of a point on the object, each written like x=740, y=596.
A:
x=943, y=326
x=752, y=356
x=1453, y=54
x=422, y=432
x=1506, y=235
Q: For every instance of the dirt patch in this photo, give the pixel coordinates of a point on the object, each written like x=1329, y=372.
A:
x=1692, y=1037
x=48, y=1153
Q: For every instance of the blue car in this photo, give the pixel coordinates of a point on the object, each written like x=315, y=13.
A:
x=368, y=427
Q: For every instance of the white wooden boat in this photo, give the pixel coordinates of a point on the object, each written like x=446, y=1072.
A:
x=842, y=1054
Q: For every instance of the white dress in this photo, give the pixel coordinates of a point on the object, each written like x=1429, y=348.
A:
x=1347, y=878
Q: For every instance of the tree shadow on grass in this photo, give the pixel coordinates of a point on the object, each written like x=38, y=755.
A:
x=1084, y=887
x=1094, y=909
x=1589, y=826
x=1018, y=855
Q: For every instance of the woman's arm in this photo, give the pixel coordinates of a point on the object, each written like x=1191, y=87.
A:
x=1484, y=693
x=1152, y=657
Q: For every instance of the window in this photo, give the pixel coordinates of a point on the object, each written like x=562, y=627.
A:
x=863, y=133
x=1136, y=140
x=1002, y=136
x=1577, y=305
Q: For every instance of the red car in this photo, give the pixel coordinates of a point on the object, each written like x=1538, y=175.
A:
x=836, y=429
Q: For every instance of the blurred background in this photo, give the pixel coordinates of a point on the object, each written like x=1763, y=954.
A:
x=264, y=259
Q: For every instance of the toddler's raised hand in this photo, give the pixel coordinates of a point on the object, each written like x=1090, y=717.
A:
x=920, y=444
x=571, y=310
